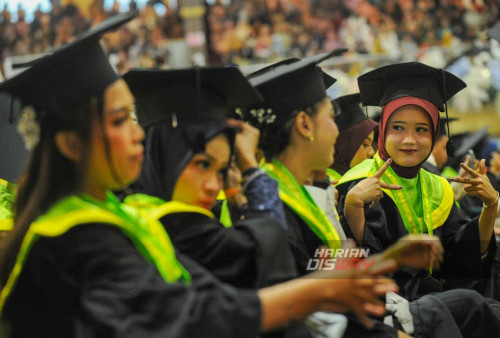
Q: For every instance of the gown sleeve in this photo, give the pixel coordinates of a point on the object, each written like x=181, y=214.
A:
x=253, y=253
x=92, y=282
x=462, y=266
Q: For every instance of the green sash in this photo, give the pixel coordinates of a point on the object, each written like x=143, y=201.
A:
x=7, y=196
x=436, y=192
x=149, y=237
x=299, y=200
x=154, y=208
x=333, y=174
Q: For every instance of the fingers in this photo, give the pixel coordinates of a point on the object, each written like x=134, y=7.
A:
x=334, y=182
x=390, y=186
x=383, y=267
x=383, y=168
x=482, y=167
x=465, y=180
x=469, y=170
x=240, y=125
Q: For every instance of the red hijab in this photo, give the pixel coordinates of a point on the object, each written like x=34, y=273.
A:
x=387, y=111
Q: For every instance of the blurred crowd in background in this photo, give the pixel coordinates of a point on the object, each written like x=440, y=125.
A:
x=259, y=31
x=447, y=34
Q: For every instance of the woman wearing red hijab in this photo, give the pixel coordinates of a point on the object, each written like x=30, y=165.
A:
x=411, y=96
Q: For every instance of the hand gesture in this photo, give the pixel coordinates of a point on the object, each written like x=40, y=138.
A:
x=358, y=290
x=416, y=251
x=247, y=139
x=478, y=184
x=369, y=190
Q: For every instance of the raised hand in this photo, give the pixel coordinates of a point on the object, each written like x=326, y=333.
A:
x=369, y=190
x=358, y=290
x=478, y=184
x=416, y=251
x=246, y=143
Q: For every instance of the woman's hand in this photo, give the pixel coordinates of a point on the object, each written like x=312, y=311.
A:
x=357, y=290
x=247, y=139
x=369, y=190
x=478, y=184
x=416, y=251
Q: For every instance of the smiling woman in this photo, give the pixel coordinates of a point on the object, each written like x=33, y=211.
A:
x=411, y=95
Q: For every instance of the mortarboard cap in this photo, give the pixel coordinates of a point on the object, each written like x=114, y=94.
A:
x=70, y=74
x=348, y=111
x=328, y=80
x=468, y=141
x=292, y=86
x=387, y=83
x=198, y=93
x=494, y=31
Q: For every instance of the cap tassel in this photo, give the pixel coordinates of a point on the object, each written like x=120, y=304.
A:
x=450, y=147
x=11, y=114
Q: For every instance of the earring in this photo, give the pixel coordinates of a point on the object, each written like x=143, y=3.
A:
x=311, y=138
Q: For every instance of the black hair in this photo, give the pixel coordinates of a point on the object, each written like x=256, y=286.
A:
x=49, y=176
x=275, y=138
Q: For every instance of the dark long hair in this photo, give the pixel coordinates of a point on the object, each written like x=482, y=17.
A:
x=49, y=176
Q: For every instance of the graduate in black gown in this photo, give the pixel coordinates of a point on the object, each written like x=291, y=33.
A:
x=411, y=95
x=356, y=135
x=182, y=164
x=298, y=134
x=80, y=263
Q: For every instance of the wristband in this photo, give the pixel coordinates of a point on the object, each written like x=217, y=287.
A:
x=492, y=204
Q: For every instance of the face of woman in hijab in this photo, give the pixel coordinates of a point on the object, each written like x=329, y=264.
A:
x=203, y=177
x=365, y=151
x=408, y=138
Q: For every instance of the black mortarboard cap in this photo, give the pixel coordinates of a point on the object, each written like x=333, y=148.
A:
x=494, y=31
x=200, y=93
x=293, y=86
x=387, y=83
x=70, y=74
x=328, y=80
x=384, y=84
x=348, y=111
x=468, y=141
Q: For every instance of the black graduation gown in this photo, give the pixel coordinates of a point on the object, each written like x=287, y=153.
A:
x=462, y=266
x=253, y=253
x=92, y=282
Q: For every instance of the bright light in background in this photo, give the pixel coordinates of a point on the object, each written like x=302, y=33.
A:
x=29, y=7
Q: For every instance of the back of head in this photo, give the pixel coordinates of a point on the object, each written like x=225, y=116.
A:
x=354, y=127
x=287, y=89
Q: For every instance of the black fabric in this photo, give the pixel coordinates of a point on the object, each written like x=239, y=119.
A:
x=387, y=83
x=474, y=315
x=250, y=254
x=168, y=150
x=92, y=282
x=462, y=266
x=289, y=87
x=348, y=111
x=302, y=240
x=199, y=93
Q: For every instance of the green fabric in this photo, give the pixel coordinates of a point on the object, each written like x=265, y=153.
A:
x=449, y=172
x=333, y=174
x=299, y=200
x=422, y=210
x=7, y=197
x=149, y=237
x=225, y=215
x=413, y=193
